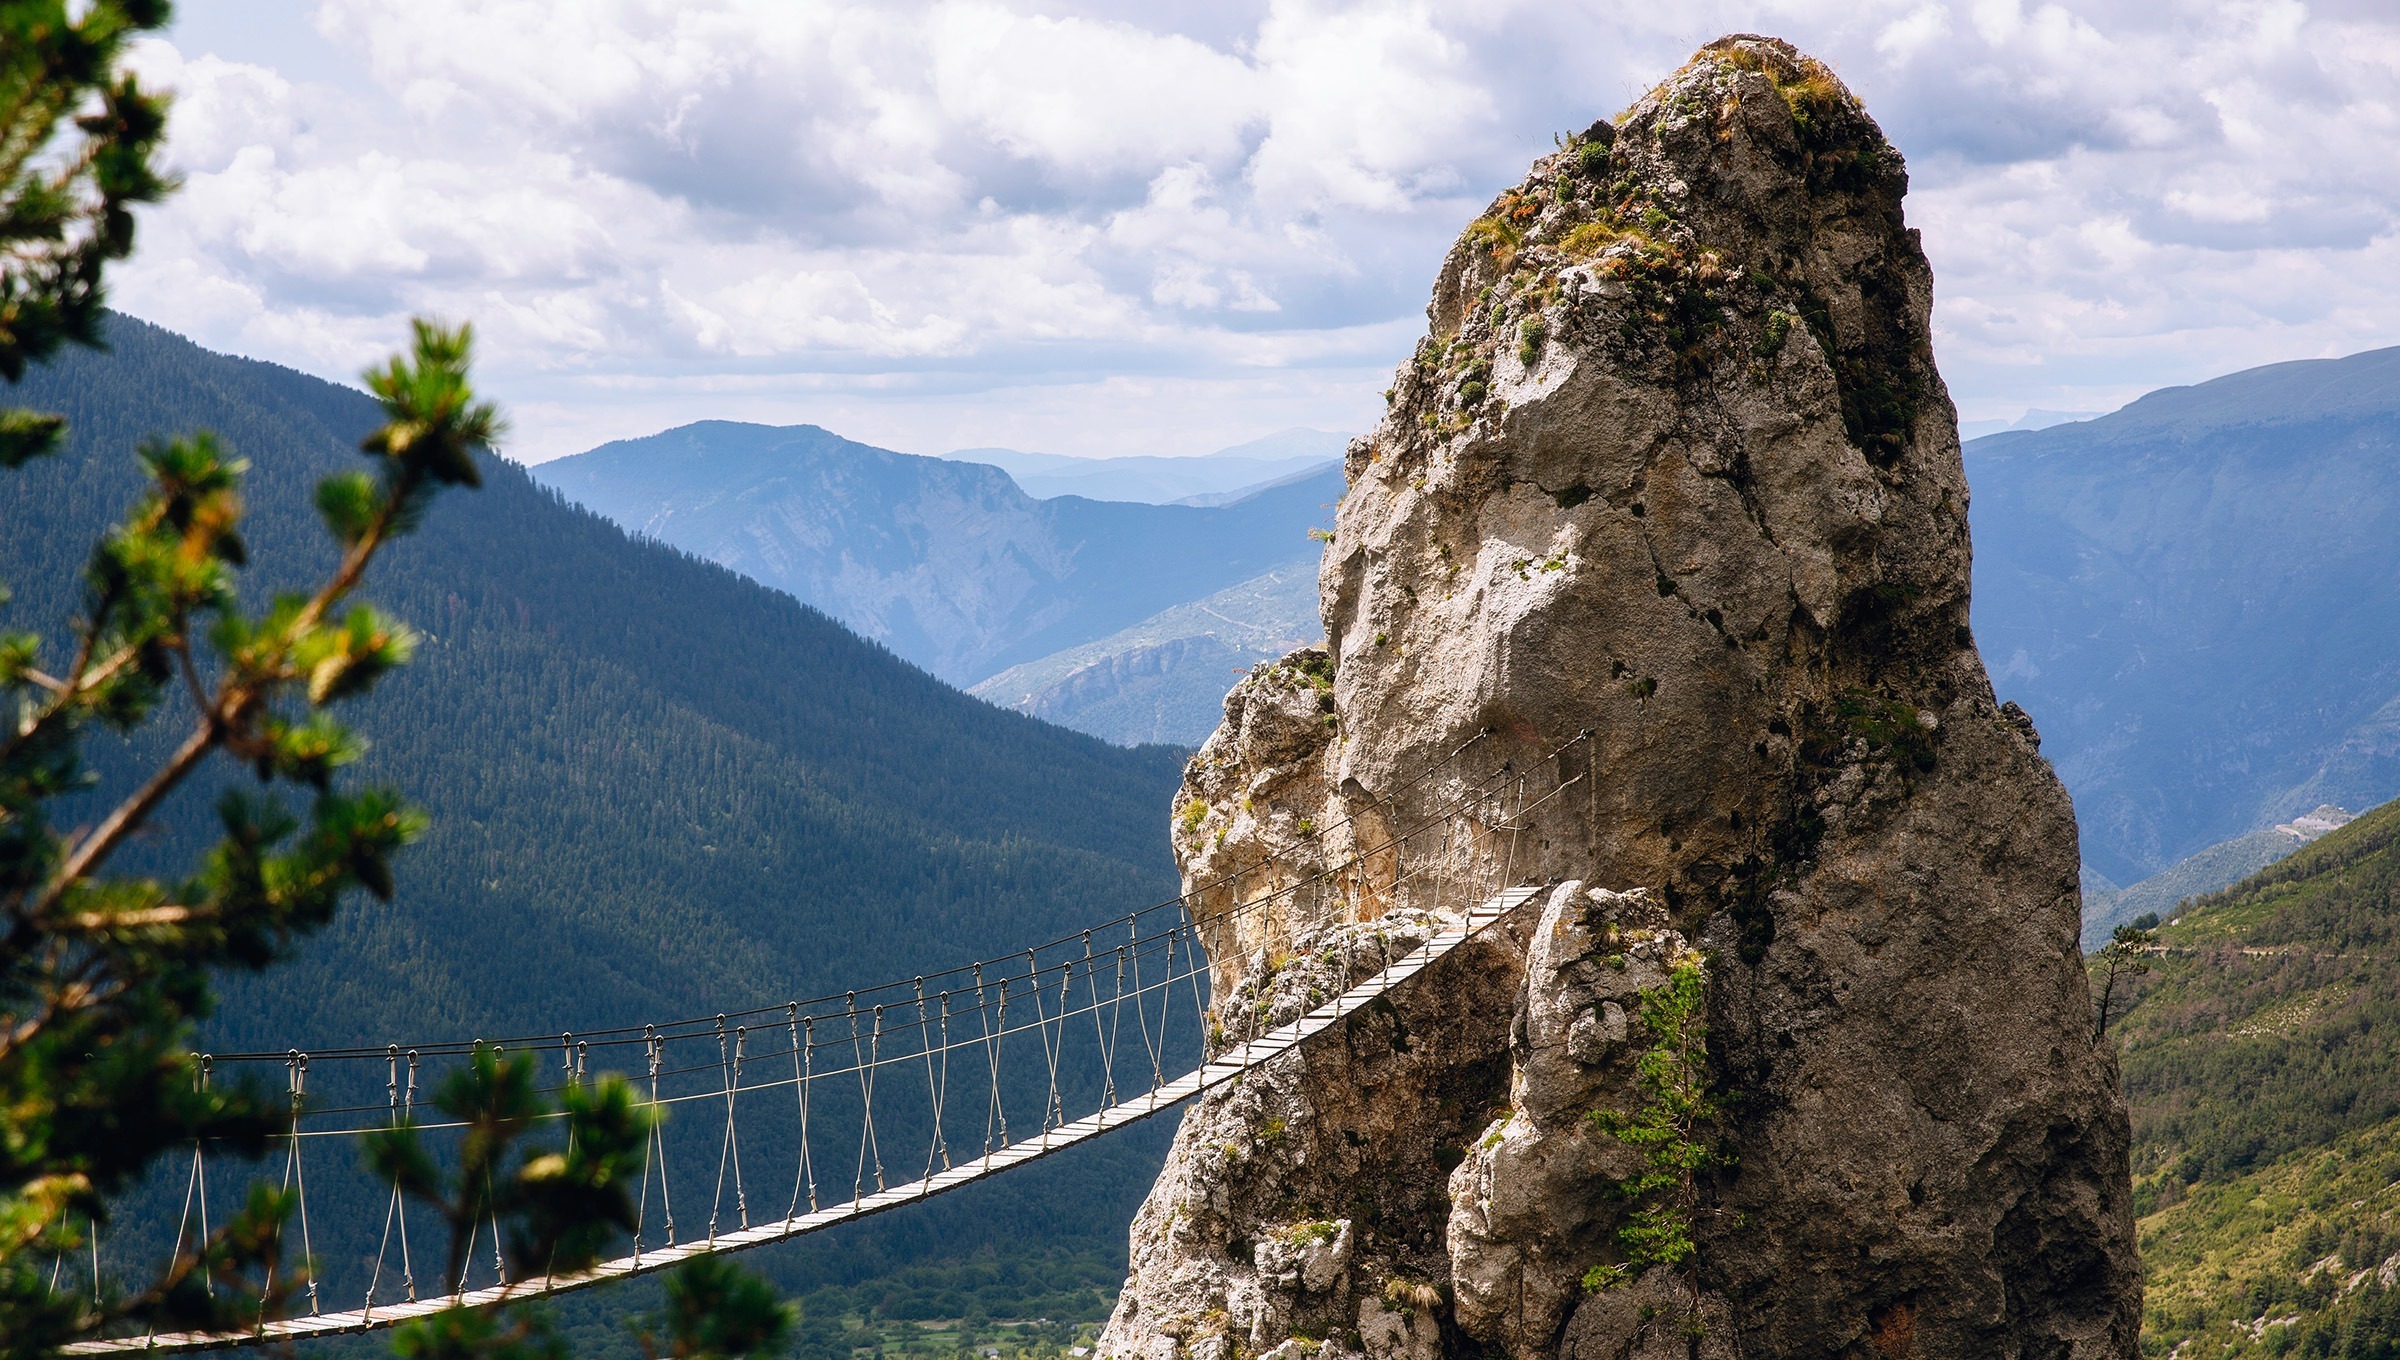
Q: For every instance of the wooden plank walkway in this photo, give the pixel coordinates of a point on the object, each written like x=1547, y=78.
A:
x=1226, y=1068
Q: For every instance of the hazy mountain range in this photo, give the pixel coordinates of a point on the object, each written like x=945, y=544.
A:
x=2198, y=600
x=2197, y=597
x=1214, y=479
x=956, y=566
x=1164, y=679
x=2035, y=418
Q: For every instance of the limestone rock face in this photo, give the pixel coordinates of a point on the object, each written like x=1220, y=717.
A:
x=1309, y=1200
x=1663, y=538
x=1530, y=1207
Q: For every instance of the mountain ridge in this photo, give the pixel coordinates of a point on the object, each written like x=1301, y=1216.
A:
x=1226, y=474
x=951, y=565
x=1163, y=679
x=2364, y=384
x=2195, y=599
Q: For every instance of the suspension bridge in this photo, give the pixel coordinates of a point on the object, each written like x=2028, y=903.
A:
x=1065, y=1041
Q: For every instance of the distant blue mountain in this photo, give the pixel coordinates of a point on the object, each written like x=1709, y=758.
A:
x=1164, y=679
x=950, y=564
x=2035, y=418
x=2198, y=599
x=1215, y=478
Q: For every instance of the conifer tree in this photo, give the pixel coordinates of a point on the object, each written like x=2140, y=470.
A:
x=2124, y=958
x=103, y=974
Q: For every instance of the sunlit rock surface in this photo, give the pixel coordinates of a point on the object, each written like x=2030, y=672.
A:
x=1672, y=471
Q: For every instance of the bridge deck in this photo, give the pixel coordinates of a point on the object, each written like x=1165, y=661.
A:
x=1226, y=1068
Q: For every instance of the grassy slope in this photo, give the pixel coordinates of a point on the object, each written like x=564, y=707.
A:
x=2262, y=1061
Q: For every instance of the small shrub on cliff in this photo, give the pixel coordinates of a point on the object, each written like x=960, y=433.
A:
x=1497, y=236
x=1306, y=1231
x=1808, y=86
x=1779, y=329
x=1589, y=239
x=1530, y=336
x=1814, y=94
x=1412, y=1296
x=1890, y=727
x=1674, y=1129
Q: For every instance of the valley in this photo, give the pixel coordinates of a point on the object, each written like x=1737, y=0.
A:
x=1015, y=682
x=655, y=788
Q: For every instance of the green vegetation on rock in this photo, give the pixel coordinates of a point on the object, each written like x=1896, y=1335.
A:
x=1674, y=1129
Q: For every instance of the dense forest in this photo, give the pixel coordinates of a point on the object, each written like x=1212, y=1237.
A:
x=2258, y=1059
x=656, y=789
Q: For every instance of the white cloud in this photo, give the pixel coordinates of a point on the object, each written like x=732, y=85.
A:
x=1904, y=38
x=1089, y=98
x=948, y=222
x=1372, y=107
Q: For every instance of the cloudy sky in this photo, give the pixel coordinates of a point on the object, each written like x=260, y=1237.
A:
x=1170, y=226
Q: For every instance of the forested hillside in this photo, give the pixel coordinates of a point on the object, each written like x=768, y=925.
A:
x=656, y=788
x=2260, y=1059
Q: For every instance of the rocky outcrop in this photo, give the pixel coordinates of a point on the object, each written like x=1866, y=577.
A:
x=1664, y=532
x=1530, y=1206
x=1305, y=1206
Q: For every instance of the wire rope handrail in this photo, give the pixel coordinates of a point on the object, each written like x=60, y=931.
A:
x=1229, y=1066
x=888, y=1037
